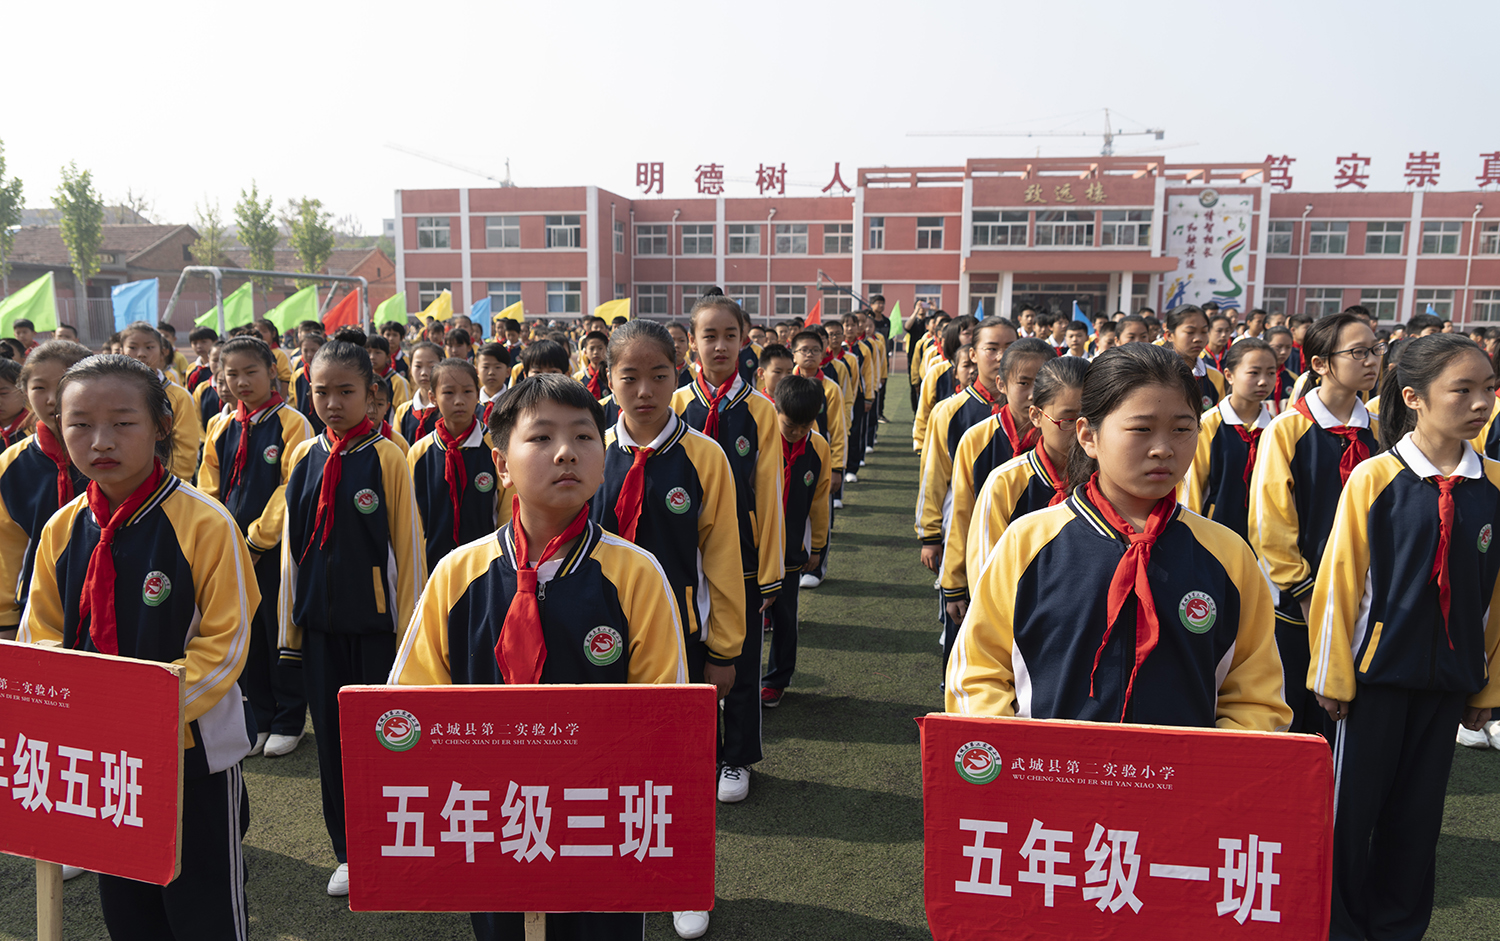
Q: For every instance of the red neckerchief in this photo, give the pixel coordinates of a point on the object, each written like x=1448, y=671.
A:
x=196, y=376
x=1019, y=444
x=1440, y=572
x=1276, y=395
x=454, y=473
x=715, y=396
x=1252, y=438
x=790, y=453
x=595, y=384
x=522, y=649
x=245, y=417
x=329, y=485
x=827, y=358
x=390, y=368
x=1059, y=481
x=1130, y=578
x=992, y=401
x=423, y=414
x=54, y=449
x=97, y=604
x=632, y=492
x=1355, y=452
x=386, y=431
x=11, y=433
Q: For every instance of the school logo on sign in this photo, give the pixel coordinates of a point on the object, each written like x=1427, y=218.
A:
x=678, y=500
x=603, y=645
x=1198, y=612
x=271, y=454
x=742, y=445
x=484, y=481
x=366, y=501
x=398, y=730
x=1486, y=535
x=156, y=589
x=977, y=762
x=808, y=478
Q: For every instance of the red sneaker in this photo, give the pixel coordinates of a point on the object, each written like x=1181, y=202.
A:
x=771, y=698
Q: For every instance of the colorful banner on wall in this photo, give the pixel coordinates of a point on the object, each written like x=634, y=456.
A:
x=1209, y=234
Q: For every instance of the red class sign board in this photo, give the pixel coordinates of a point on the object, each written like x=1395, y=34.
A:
x=91, y=761
x=1080, y=830
x=529, y=798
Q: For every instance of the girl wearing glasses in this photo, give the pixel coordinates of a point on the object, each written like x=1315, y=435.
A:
x=1303, y=461
x=1218, y=483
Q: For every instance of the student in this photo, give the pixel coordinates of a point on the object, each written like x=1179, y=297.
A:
x=459, y=344
x=352, y=562
x=1034, y=480
x=1408, y=553
x=269, y=333
x=1305, y=456
x=682, y=346
x=139, y=532
x=379, y=414
x=379, y=349
x=1298, y=324
x=864, y=395
x=1133, y=329
x=14, y=416
x=245, y=465
x=174, y=360
x=1106, y=337
x=843, y=368
x=595, y=342
x=417, y=416
x=1187, y=332
x=723, y=406
x=805, y=495
x=36, y=476
x=1220, y=328
x=1058, y=628
x=209, y=400
x=199, y=372
x=1056, y=330
x=452, y=473
x=65, y=331
x=140, y=341
x=302, y=387
x=807, y=354
x=1027, y=324
x=1218, y=484
x=297, y=357
x=492, y=363
x=935, y=388
x=1280, y=340
x=395, y=335
x=1076, y=340
x=543, y=356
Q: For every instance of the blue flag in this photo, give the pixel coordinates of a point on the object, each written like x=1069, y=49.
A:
x=979, y=311
x=479, y=312
x=1432, y=310
x=1078, y=316
x=134, y=300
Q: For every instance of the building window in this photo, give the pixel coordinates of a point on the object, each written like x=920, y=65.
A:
x=1441, y=238
x=503, y=294
x=1274, y=300
x=432, y=232
x=620, y=288
x=1384, y=238
x=1065, y=227
x=791, y=300
x=563, y=232
x=1126, y=227
x=1000, y=228
x=1328, y=238
x=872, y=289
x=1489, y=238
x=619, y=239
x=791, y=239
x=698, y=239
x=837, y=305
x=929, y=233
x=502, y=232
x=1281, y=239
x=877, y=233
x=1323, y=302
x=838, y=238
x=1439, y=299
x=652, y=300
x=744, y=240
x=1487, y=305
x=428, y=291
x=564, y=297
x=932, y=294
x=691, y=294
x=1381, y=302
x=746, y=295
x=986, y=292
x=651, y=240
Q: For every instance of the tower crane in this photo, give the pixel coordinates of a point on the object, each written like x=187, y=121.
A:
x=457, y=166
x=1109, y=134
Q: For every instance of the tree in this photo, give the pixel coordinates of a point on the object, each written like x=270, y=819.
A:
x=212, y=236
x=10, y=217
x=132, y=209
x=258, y=232
x=81, y=227
x=310, y=232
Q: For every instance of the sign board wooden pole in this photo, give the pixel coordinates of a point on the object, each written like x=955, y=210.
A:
x=49, y=914
x=536, y=926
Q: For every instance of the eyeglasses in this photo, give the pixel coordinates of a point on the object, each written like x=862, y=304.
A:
x=1058, y=422
x=1361, y=353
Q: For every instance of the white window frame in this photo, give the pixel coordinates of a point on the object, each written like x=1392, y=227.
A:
x=1274, y=300
x=653, y=239
x=1279, y=238
x=747, y=296
x=1441, y=237
x=1131, y=228
x=433, y=232
x=1489, y=238
x=564, y=231
x=1441, y=300
x=930, y=233
x=1321, y=302
x=502, y=232
x=567, y=295
x=1075, y=228
x=1382, y=303
x=744, y=238
x=653, y=300
x=931, y=293
x=791, y=238
x=1000, y=228
x=791, y=300
x=502, y=294
x=619, y=237
x=1328, y=237
x=1378, y=237
x=1486, y=306
x=877, y=233
x=698, y=239
x=428, y=291
x=691, y=294
x=838, y=238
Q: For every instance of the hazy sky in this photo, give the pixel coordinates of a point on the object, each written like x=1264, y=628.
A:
x=191, y=101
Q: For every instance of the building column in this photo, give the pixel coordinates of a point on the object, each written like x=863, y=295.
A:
x=591, y=298
x=1127, y=291
x=1413, y=247
x=462, y=295
x=1007, y=283
x=400, y=249
x=963, y=291
x=1112, y=292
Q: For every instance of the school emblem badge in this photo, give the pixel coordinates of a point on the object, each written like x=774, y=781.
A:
x=271, y=454
x=1198, y=612
x=603, y=645
x=366, y=501
x=156, y=588
x=1486, y=536
x=484, y=481
x=977, y=762
x=808, y=478
x=742, y=445
x=398, y=730
x=678, y=500
x=1208, y=403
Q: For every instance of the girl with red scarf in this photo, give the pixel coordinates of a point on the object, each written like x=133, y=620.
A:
x=1218, y=484
x=143, y=565
x=1116, y=605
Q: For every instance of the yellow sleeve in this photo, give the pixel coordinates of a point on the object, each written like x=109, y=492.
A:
x=1190, y=491
x=1273, y=513
x=407, y=541
x=422, y=658
x=180, y=363
x=1340, y=593
x=867, y=372
x=770, y=520
x=1217, y=378
x=283, y=366
x=719, y=545
x=42, y=619
x=291, y=390
x=289, y=633
x=926, y=401
x=13, y=542
x=987, y=523
x=208, y=471
x=187, y=432
x=400, y=413
x=937, y=475
x=400, y=391
x=265, y=531
x=954, y=579
x=822, y=501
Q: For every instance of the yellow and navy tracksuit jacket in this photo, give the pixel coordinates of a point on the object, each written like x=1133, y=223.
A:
x=208, y=403
x=1215, y=484
x=808, y=502
x=1028, y=644
x=257, y=500
x=283, y=366
x=866, y=361
x=937, y=386
x=366, y=579
x=179, y=363
x=689, y=525
x=918, y=359
x=1019, y=486
x=839, y=371
x=751, y=438
x=187, y=430
x=416, y=417
x=832, y=424
x=185, y=591
x=486, y=502
x=28, y=498
x=1375, y=612
x=935, y=487
x=983, y=447
x=607, y=612
x=400, y=390
x=875, y=347
x=196, y=376
x=1487, y=442
x=1296, y=492
x=301, y=399
x=748, y=362
x=1210, y=382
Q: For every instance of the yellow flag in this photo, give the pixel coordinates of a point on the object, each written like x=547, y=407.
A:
x=513, y=312
x=609, y=310
x=441, y=308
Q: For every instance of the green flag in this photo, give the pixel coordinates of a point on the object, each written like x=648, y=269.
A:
x=897, y=329
x=239, y=310
x=392, y=309
x=299, y=307
x=35, y=302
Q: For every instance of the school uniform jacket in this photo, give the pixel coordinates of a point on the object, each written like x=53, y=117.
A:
x=480, y=515
x=206, y=399
x=869, y=370
x=1487, y=442
x=28, y=498
x=917, y=359
x=302, y=400
x=751, y=438
x=1375, y=611
x=951, y=422
x=937, y=385
x=1215, y=483
x=366, y=579
x=1028, y=644
x=839, y=371
x=283, y=365
x=689, y=525
x=1019, y=486
x=185, y=591
x=1296, y=492
x=411, y=426
x=196, y=376
x=748, y=361
x=607, y=613
x=934, y=485
x=1210, y=382
x=187, y=430
x=257, y=500
x=400, y=390
x=983, y=447
x=808, y=503
x=831, y=422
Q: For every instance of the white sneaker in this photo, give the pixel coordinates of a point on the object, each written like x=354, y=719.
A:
x=734, y=784
x=849, y=478
x=838, y=504
x=1492, y=731
x=1465, y=738
x=72, y=872
x=868, y=450
x=260, y=743
x=338, y=883
x=809, y=580
x=690, y=924
x=861, y=463
x=278, y=745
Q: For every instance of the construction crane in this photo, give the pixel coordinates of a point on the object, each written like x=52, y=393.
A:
x=1109, y=134
x=457, y=166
